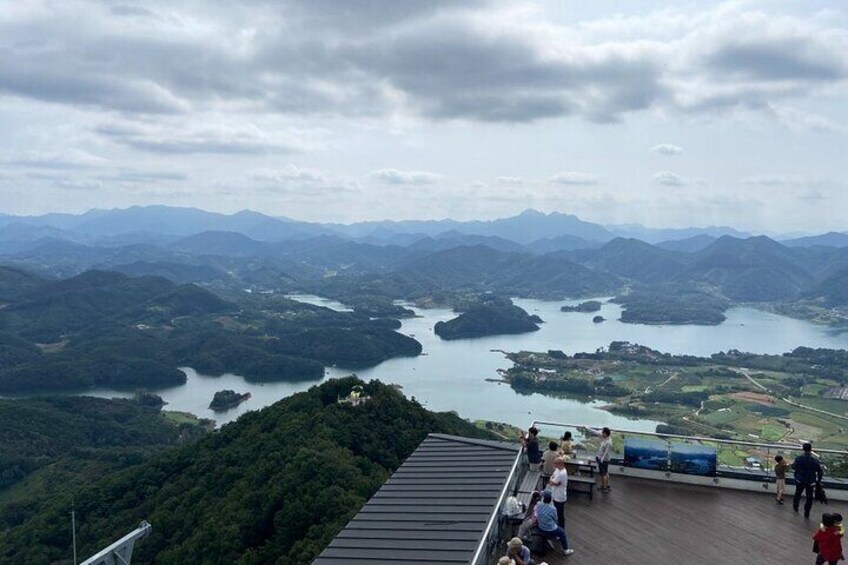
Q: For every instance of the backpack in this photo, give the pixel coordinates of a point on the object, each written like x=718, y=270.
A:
x=512, y=507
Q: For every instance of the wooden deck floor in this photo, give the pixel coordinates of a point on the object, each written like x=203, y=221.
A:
x=643, y=521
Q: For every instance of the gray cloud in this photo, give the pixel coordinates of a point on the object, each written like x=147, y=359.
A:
x=792, y=56
x=132, y=11
x=771, y=180
x=812, y=196
x=442, y=60
x=782, y=180
x=81, y=184
x=242, y=139
x=667, y=178
x=510, y=181
x=68, y=159
x=667, y=149
x=574, y=178
x=146, y=176
x=396, y=177
x=287, y=174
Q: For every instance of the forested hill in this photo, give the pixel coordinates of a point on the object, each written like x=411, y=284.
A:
x=104, y=328
x=491, y=316
x=273, y=487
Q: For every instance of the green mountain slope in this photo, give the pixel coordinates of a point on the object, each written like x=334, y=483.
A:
x=833, y=291
x=634, y=259
x=106, y=329
x=757, y=269
x=14, y=282
x=105, y=298
x=480, y=268
x=273, y=487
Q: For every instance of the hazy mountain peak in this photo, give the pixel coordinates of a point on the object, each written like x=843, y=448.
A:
x=532, y=213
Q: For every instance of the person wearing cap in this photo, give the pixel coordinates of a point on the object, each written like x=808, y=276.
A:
x=517, y=553
x=546, y=521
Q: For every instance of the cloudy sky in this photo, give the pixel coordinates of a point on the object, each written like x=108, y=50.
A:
x=341, y=110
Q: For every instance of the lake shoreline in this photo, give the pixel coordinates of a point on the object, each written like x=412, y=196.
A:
x=465, y=375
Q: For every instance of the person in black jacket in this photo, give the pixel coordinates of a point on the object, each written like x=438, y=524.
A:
x=808, y=472
x=530, y=442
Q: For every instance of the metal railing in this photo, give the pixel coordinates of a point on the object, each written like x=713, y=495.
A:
x=492, y=534
x=748, y=457
x=120, y=552
x=755, y=462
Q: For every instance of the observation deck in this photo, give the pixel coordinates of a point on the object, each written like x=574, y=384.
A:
x=674, y=499
x=667, y=523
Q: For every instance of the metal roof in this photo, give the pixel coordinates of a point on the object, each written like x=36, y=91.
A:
x=434, y=508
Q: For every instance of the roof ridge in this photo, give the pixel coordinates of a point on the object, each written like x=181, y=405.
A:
x=504, y=445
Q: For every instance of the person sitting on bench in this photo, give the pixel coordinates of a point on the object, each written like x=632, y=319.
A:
x=546, y=522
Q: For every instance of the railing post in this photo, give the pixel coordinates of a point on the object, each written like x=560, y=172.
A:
x=668, y=449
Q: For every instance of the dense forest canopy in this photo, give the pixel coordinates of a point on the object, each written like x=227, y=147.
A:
x=273, y=487
x=107, y=329
x=490, y=315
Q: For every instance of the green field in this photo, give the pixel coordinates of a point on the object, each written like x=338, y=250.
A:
x=703, y=396
x=724, y=417
x=828, y=404
x=773, y=432
x=183, y=418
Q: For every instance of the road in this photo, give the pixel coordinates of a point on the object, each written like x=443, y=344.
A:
x=787, y=400
x=662, y=384
x=744, y=371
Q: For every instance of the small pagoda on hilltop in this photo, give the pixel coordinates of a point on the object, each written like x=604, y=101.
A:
x=356, y=397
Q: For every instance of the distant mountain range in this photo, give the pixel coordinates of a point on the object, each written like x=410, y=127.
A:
x=135, y=224
x=538, y=232
x=371, y=264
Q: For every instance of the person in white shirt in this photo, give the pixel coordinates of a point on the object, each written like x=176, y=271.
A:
x=603, y=456
x=558, y=484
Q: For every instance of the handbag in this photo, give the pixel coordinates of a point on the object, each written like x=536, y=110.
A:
x=819, y=494
x=815, y=546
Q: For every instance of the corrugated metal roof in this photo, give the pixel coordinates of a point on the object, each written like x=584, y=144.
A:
x=434, y=508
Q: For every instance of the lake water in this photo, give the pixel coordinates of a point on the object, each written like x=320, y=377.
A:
x=451, y=375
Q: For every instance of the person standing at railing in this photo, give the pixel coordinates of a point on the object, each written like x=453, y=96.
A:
x=603, y=457
x=530, y=443
x=808, y=472
x=780, y=466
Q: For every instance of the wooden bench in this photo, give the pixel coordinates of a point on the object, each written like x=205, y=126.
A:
x=581, y=484
x=581, y=476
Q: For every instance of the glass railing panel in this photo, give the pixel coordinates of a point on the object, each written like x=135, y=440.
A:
x=692, y=455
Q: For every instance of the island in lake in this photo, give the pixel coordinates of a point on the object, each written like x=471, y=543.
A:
x=226, y=399
x=672, y=304
x=488, y=316
x=585, y=307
